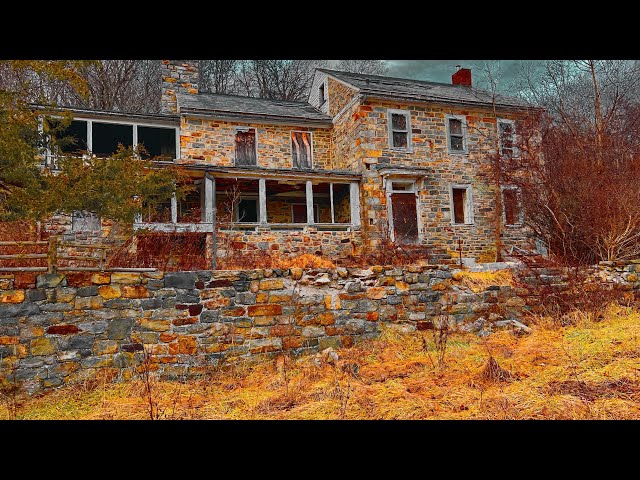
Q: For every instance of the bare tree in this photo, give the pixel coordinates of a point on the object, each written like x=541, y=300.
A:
x=281, y=79
x=370, y=67
x=219, y=76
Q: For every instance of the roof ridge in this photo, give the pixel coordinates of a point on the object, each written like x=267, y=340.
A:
x=297, y=102
x=383, y=77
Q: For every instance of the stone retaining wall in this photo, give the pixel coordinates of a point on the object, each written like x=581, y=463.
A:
x=63, y=328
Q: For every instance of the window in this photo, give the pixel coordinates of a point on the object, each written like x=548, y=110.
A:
x=456, y=129
x=301, y=149
x=512, y=206
x=506, y=137
x=246, y=146
x=85, y=222
x=158, y=142
x=107, y=136
x=321, y=95
x=461, y=205
x=247, y=210
x=399, y=129
x=73, y=139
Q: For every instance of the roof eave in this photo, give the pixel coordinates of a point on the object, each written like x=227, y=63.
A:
x=412, y=99
x=94, y=113
x=255, y=117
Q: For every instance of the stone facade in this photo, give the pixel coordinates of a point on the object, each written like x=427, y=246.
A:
x=177, y=76
x=212, y=142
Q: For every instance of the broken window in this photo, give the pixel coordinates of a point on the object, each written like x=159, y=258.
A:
x=73, y=138
x=456, y=131
x=299, y=213
x=286, y=201
x=158, y=213
x=399, y=129
x=247, y=210
x=158, y=142
x=461, y=204
x=512, y=206
x=321, y=94
x=107, y=136
x=85, y=221
x=246, y=146
x=341, y=203
x=506, y=137
x=301, y=149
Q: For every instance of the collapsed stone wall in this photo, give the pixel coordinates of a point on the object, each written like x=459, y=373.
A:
x=64, y=328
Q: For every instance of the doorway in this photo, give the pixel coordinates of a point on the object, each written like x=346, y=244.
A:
x=403, y=211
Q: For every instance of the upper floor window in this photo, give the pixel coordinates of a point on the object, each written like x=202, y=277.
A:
x=399, y=129
x=302, y=149
x=506, y=137
x=321, y=94
x=456, y=134
x=246, y=146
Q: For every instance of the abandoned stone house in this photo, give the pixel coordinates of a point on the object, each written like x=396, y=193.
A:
x=367, y=158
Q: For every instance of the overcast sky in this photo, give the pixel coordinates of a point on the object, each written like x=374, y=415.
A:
x=441, y=70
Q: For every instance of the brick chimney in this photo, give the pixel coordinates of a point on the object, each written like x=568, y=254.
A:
x=178, y=76
x=462, y=76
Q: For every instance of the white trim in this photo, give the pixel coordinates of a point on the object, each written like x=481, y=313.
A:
x=513, y=136
x=262, y=196
x=209, y=198
x=174, y=208
x=90, y=136
x=354, y=199
x=468, y=204
x=465, y=137
x=407, y=115
x=135, y=137
x=245, y=129
x=519, y=205
x=291, y=132
x=309, y=196
x=331, y=202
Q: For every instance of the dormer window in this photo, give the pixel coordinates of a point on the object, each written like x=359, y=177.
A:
x=321, y=94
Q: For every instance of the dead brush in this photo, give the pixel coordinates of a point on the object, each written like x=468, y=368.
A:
x=9, y=389
x=441, y=331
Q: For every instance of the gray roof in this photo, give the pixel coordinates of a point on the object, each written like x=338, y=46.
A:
x=420, y=90
x=233, y=106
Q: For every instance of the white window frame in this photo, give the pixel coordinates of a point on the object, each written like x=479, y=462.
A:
x=242, y=128
x=133, y=125
x=407, y=115
x=465, y=146
x=468, y=206
x=518, y=191
x=291, y=132
x=513, y=137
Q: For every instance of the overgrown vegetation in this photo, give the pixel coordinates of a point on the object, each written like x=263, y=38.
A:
x=588, y=370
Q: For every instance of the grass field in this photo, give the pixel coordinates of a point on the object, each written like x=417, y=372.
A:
x=588, y=370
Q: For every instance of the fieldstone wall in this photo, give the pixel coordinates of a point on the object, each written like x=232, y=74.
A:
x=178, y=76
x=67, y=327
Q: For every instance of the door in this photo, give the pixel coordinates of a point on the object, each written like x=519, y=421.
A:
x=405, y=217
x=403, y=211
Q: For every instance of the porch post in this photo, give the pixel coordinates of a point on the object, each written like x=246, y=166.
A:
x=262, y=194
x=174, y=209
x=209, y=199
x=310, y=220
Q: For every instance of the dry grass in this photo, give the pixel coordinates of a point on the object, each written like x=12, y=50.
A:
x=588, y=370
x=306, y=260
x=479, y=281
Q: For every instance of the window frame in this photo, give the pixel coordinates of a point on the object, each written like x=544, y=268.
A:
x=236, y=209
x=518, y=191
x=322, y=88
x=465, y=146
x=245, y=129
x=291, y=132
x=390, y=130
x=468, y=207
x=514, y=148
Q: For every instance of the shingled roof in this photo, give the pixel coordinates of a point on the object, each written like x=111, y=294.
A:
x=234, y=106
x=419, y=90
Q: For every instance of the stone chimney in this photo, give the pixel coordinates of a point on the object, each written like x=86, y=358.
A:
x=178, y=76
x=462, y=76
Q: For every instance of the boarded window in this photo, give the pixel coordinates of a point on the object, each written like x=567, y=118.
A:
x=301, y=149
x=460, y=207
x=107, y=136
x=399, y=130
x=158, y=142
x=405, y=220
x=506, y=136
x=85, y=222
x=511, y=202
x=246, y=147
x=456, y=135
x=247, y=210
